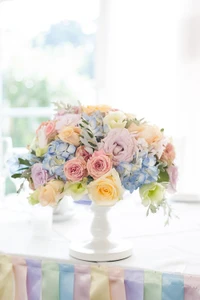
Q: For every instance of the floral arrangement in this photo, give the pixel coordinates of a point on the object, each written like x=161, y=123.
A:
x=101, y=152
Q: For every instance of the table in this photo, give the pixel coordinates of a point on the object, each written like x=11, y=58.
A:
x=166, y=250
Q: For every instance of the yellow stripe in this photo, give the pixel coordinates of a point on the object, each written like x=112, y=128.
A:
x=99, y=289
x=6, y=279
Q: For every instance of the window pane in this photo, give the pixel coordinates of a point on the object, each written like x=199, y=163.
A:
x=48, y=51
x=22, y=130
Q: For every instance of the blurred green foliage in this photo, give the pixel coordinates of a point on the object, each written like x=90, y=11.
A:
x=43, y=73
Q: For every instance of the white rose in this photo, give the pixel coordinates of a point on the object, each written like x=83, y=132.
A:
x=115, y=119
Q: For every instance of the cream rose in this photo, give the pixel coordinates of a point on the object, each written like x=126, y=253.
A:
x=107, y=189
x=71, y=135
x=115, y=119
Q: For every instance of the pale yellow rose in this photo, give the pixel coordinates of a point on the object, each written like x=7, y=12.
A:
x=90, y=109
x=47, y=195
x=115, y=119
x=106, y=190
x=71, y=135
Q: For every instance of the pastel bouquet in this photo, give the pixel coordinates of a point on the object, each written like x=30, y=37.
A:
x=100, y=152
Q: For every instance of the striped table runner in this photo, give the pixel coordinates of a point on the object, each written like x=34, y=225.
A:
x=27, y=279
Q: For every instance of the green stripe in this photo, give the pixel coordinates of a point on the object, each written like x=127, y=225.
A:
x=152, y=285
x=50, y=281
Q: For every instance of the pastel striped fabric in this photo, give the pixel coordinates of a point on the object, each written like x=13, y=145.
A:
x=27, y=279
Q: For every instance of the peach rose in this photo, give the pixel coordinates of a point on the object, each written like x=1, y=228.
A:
x=99, y=164
x=49, y=129
x=169, y=154
x=47, y=195
x=57, y=185
x=51, y=193
x=107, y=189
x=75, y=169
x=135, y=128
x=92, y=108
x=71, y=135
x=150, y=133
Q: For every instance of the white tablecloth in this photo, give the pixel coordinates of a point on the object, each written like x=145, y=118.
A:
x=174, y=248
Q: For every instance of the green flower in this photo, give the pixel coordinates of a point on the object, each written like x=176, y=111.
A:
x=152, y=195
x=33, y=198
x=76, y=189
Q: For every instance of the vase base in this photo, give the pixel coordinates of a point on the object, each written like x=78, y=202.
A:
x=98, y=251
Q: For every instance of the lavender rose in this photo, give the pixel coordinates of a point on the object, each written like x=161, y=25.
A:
x=38, y=175
x=120, y=144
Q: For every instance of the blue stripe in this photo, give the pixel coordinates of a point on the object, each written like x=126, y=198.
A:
x=66, y=282
x=172, y=287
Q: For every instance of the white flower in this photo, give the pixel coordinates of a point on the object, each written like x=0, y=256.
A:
x=115, y=119
x=42, y=139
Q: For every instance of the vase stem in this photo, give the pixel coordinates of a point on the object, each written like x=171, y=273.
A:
x=100, y=227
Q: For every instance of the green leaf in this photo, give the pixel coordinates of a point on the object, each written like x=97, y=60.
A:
x=84, y=121
x=91, y=144
x=16, y=175
x=24, y=162
x=90, y=134
x=33, y=152
x=163, y=176
x=21, y=169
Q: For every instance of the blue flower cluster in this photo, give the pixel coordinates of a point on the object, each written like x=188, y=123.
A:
x=96, y=123
x=135, y=175
x=58, y=153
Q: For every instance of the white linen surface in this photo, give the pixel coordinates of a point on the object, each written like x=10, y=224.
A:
x=174, y=248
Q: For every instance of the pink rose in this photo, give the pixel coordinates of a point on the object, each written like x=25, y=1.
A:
x=67, y=120
x=49, y=129
x=75, y=169
x=46, y=133
x=38, y=175
x=82, y=152
x=173, y=176
x=169, y=154
x=120, y=144
x=99, y=164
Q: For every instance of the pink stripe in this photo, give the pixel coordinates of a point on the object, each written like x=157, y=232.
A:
x=191, y=287
x=82, y=281
x=20, y=273
x=117, y=288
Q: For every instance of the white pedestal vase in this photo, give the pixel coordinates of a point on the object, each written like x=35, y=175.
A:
x=100, y=247
x=64, y=210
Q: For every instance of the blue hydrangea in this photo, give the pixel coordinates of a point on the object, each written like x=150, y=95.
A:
x=58, y=153
x=96, y=123
x=135, y=175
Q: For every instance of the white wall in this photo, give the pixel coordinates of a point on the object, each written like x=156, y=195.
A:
x=154, y=71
